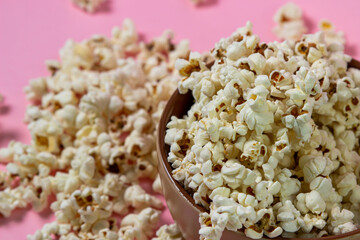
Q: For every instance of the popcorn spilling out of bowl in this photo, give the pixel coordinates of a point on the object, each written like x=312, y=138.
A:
x=271, y=144
x=92, y=125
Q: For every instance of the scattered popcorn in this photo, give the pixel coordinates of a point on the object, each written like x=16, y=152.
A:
x=290, y=23
x=93, y=125
x=168, y=232
x=88, y=5
x=270, y=145
x=139, y=226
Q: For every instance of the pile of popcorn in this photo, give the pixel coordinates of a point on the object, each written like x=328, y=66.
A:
x=93, y=129
x=271, y=144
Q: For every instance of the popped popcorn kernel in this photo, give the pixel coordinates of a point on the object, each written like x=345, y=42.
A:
x=331, y=36
x=290, y=24
x=88, y=5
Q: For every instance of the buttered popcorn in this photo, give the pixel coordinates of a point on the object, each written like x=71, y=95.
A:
x=93, y=124
x=270, y=145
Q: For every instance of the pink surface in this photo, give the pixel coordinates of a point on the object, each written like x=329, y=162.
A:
x=33, y=31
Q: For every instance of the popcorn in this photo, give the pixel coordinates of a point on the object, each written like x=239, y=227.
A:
x=256, y=113
x=314, y=202
x=89, y=6
x=168, y=232
x=36, y=89
x=93, y=125
x=346, y=183
x=11, y=199
x=273, y=129
x=139, y=225
x=339, y=217
x=290, y=26
x=345, y=228
x=313, y=168
x=331, y=37
x=287, y=215
x=139, y=199
x=309, y=222
x=156, y=186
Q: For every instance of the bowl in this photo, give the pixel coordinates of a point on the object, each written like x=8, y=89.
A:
x=181, y=205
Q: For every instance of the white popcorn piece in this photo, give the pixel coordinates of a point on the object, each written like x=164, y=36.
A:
x=139, y=225
x=290, y=24
x=11, y=199
x=313, y=168
x=139, y=199
x=36, y=89
x=330, y=35
x=314, y=202
x=346, y=183
x=156, y=186
x=341, y=221
x=309, y=222
x=213, y=180
x=168, y=232
x=87, y=169
x=89, y=6
x=256, y=113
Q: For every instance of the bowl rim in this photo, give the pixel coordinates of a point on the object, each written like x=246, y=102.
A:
x=165, y=117
x=163, y=155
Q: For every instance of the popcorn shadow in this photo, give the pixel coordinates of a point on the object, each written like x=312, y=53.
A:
x=351, y=49
x=19, y=214
x=146, y=184
x=142, y=37
x=16, y=216
x=4, y=109
x=105, y=7
x=47, y=212
x=309, y=23
x=7, y=136
x=208, y=3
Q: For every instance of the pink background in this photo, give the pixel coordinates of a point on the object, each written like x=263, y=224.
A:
x=32, y=31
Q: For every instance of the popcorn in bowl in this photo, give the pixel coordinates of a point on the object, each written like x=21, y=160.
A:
x=270, y=145
x=93, y=128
